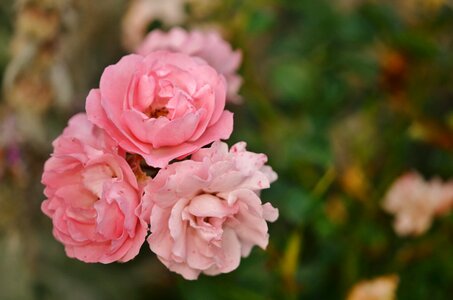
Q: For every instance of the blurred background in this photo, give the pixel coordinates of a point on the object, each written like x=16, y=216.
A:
x=344, y=96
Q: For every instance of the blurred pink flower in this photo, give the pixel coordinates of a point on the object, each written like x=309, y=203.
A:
x=92, y=196
x=415, y=202
x=208, y=45
x=141, y=13
x=206, y=213
x=162, y=106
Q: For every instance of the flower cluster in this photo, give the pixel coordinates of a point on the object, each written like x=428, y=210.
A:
x=147, y=160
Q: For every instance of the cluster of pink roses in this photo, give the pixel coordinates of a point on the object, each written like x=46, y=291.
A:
x=139, y=162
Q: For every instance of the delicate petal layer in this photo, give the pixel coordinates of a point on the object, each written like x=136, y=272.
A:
x=206, y=212
x=92, y=196
x=162, y=106
x=208, y=46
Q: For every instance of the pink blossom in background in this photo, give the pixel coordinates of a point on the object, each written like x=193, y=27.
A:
x=92, y=196
x=208, y=45
x=161, y=106
x=415, y=202
x=206, y=213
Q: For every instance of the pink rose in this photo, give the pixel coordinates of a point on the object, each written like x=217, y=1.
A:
x=92, y=196
x=415, y=202
x=207, y=45
x=206, y=212
x=162, y=106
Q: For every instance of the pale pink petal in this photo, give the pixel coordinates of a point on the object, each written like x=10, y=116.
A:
x=92, y=195
x=206, y=211
x=177, y=131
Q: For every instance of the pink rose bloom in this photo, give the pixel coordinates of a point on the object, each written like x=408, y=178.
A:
x=92, y=196
x=162, y=106
x=209, y=46
x=206, y=212
x=415, y=202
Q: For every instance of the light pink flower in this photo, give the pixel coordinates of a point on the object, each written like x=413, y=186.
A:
x=206, y=212
x=208, y=45
x=162, y=106
x=92, y=196
x=415, y=202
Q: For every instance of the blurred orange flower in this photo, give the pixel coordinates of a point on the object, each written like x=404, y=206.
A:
x=380, y=288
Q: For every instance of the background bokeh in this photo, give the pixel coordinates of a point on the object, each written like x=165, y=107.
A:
x=344, y=96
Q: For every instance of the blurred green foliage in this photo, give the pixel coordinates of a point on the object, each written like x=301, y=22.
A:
x=343, y=96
